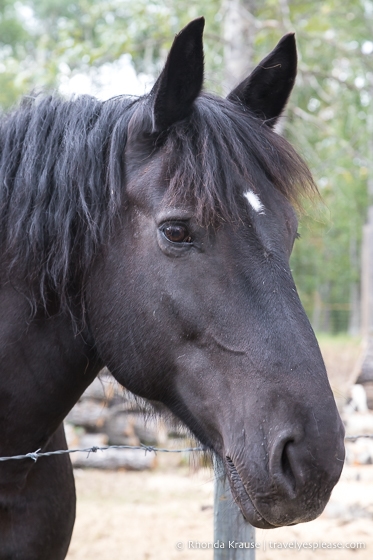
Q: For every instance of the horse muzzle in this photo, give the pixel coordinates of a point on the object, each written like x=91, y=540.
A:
x=297, y=483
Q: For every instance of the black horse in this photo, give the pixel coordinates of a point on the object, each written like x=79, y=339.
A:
x=153, y=236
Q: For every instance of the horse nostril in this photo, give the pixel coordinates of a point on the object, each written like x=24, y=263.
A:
x=283, y=465
x=286, y=467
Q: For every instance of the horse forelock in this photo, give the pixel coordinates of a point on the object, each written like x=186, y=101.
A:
x=221, y=147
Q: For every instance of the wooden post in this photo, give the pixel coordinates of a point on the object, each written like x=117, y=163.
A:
x=365, y=369
x=230, y=526
x=366, y=280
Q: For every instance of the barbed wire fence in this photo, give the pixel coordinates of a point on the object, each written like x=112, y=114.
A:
x=35, y=455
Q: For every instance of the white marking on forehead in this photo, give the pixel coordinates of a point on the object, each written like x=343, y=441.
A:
x=254, y=201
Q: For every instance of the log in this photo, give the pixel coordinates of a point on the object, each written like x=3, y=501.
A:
x=120, y=428
x=113, y=459
x=88, y=413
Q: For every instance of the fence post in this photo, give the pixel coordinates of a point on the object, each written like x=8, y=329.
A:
x=364, y=371
x=230, y=525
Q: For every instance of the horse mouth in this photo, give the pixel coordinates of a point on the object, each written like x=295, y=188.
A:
x=243, y=498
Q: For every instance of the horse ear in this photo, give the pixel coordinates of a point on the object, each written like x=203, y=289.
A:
x=267, y=89
x=181, y=80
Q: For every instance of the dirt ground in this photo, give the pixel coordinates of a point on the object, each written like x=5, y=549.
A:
x=142, y=516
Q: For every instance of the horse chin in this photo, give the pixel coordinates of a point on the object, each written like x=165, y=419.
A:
x=243, y=499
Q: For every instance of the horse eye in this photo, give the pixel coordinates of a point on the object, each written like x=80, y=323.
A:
x=177, y=233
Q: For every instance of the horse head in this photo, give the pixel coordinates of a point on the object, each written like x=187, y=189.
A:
x=192, y=303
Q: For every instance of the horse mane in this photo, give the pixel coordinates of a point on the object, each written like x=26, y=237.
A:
x=58, y=164
x=62, y=178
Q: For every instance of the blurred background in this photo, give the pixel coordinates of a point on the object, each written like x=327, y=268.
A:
x=112, y=47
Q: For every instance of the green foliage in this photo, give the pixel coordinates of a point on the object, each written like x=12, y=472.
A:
x=329, y=123
x=43, y=40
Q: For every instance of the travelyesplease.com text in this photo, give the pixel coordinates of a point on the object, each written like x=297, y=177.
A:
x=265, y=545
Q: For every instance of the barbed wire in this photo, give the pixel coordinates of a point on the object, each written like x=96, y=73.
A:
x=35, y=455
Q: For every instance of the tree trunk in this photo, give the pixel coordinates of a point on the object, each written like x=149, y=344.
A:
x=239, y=35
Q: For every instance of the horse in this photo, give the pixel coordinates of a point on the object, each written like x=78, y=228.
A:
x=152, y=235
